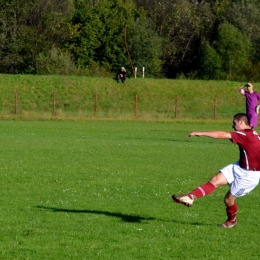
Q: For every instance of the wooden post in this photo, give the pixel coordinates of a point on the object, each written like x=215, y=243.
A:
x=54, y=104
x=16, y=103
x=176, y=106
x=95, y=104
x=215, y=107
x=136, y=105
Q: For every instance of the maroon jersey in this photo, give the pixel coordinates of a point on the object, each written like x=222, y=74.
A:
x=249, y=147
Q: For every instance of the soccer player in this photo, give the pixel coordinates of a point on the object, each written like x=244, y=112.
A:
x=242, y=176
x=252, y=98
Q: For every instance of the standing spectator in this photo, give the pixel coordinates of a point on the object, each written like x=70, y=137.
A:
x=251, y=103
x=121, y=75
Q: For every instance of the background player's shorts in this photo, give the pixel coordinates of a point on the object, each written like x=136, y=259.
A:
x=253, y=119
x=240, y=180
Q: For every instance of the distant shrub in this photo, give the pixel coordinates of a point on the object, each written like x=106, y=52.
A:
x=55, y=62
x=94, y=70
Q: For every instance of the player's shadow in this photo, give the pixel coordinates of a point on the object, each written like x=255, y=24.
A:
x=123, y=217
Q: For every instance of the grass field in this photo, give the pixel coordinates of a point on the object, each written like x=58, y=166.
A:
x=102, y=190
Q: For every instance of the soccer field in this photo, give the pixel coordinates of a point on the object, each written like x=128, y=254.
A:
x=102, y=190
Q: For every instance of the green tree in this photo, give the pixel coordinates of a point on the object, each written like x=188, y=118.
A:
x=145, y=47
x=14, y=36
x=97, y=32
x=210, y=63
x=83, y=34
x=234, y=49
x=182, y=24
x=220, y=6
x=50, y=21
x=28, y=28
x=245, y=16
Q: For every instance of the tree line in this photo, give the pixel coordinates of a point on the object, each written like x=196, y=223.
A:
x=193, y=39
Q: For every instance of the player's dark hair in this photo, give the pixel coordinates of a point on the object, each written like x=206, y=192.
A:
x=242, y=116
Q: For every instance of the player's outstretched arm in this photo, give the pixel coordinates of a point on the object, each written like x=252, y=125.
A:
x=213, y=134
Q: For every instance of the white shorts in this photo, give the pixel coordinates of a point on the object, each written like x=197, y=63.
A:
x=241, y=181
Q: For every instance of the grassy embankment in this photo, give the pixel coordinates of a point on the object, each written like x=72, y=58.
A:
x=156, y=98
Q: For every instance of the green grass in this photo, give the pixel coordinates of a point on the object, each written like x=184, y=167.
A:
x=102, y=190
x=156, y=98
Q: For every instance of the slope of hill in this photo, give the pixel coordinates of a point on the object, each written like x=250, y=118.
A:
x=71, y=97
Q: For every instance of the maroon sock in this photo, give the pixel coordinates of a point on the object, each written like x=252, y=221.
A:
x=203, y=190
x=232, y=212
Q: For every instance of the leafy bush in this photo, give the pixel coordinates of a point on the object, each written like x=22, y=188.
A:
x=55, y=62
